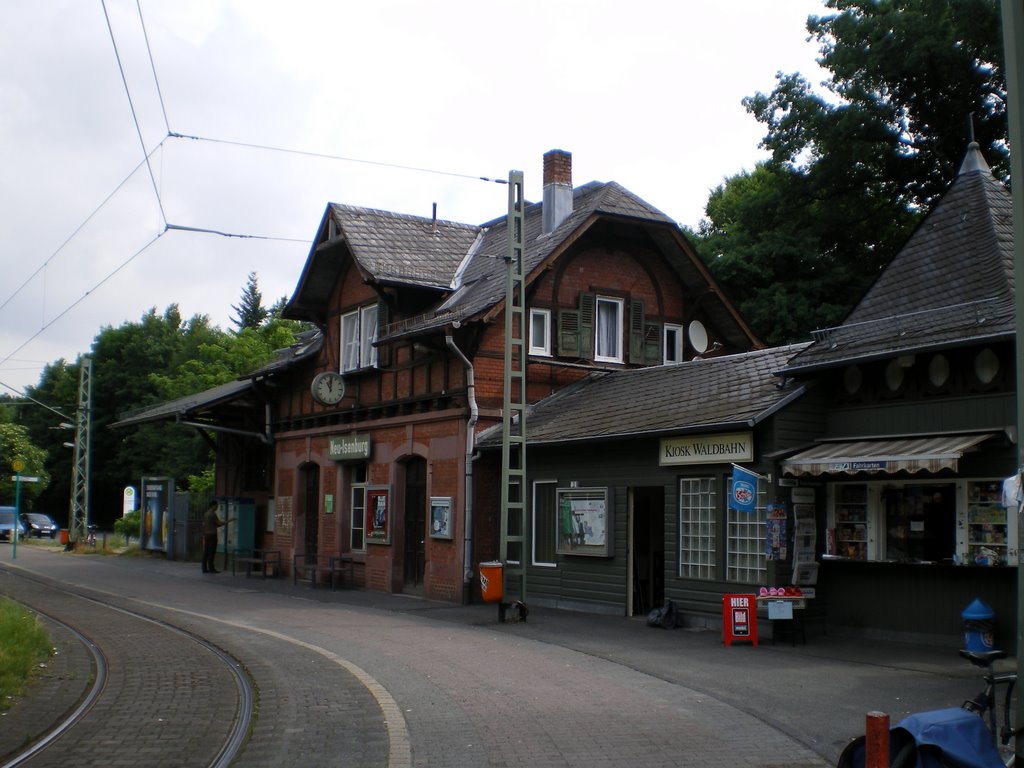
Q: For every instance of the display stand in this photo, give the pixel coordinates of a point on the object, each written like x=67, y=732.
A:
x=739, y=618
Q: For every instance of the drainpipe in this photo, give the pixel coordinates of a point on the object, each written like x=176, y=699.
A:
x=474, y=414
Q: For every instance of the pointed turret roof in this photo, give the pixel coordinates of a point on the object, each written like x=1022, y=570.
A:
x=951, y=283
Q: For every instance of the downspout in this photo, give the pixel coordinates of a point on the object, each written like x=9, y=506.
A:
x=474, y=414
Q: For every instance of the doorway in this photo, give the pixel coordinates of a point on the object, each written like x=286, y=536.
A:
x=646, y=561
x=415, y=521
x=310, y=512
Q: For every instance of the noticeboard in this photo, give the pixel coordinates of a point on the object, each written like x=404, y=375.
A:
x=584, y=522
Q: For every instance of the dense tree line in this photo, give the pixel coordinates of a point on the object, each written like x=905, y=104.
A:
x=856, y=162
x=159, y=358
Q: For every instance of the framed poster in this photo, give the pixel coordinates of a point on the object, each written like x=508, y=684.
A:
x=378, y=515
x=584, y=522
x=441, y=517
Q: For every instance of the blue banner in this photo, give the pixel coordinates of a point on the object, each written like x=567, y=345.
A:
x=743, y=497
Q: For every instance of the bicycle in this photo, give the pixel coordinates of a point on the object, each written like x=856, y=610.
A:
x=986, y=702
x=953, y=737
x=90, y=536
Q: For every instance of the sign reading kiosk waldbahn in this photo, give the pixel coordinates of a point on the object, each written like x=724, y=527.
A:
x=707, y=449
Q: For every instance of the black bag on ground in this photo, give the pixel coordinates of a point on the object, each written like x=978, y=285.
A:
x=664, y=617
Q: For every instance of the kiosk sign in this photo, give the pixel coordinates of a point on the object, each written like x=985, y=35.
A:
x=739, y=618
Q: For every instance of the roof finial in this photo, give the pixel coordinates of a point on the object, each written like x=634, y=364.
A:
x=973, y=160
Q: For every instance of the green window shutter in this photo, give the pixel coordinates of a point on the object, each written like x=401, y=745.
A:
x=636, y=331
x=652, y=344
x=569, y=333
x=587, y=311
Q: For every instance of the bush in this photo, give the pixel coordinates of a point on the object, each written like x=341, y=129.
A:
x=128, y=526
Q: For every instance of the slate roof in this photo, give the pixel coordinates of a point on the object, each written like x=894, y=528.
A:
x=466, y=263
x=715, y=394
x=951, y=284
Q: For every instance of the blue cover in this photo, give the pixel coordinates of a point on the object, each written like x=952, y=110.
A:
x=961, y=735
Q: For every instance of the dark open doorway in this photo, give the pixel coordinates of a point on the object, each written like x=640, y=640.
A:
x=647, y=558
x=310, y=512
x=415, y=521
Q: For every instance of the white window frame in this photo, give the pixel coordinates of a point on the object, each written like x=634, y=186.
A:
x=357, y=511
x=542, y=316
x=698, y=528
x=745, y=561
x=673, y=349
x=600, y=334
x=550, y=530
x=358, y=332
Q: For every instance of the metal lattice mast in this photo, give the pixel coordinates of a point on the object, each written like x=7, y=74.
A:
x=80, y=471
x=513, y=444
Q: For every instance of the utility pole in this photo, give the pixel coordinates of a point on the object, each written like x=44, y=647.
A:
x=1013, y=31
x=80, y=471
x=513, y=443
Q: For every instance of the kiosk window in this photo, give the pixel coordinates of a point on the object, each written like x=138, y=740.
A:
x=920, y=523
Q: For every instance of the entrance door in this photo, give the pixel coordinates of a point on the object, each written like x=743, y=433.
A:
x=415, y=520
x=647, y=553
x=310, y=507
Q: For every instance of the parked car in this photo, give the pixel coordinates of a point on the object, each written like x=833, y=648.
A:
x=39, y=525
x=7, y=519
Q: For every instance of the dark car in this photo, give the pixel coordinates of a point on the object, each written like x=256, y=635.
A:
x=38, y=525
x=7, y=524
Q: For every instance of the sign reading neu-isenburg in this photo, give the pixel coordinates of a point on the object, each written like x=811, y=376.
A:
x=348, y=447
x=707, y=449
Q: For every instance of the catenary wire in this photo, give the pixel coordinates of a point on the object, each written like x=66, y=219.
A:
x=135, y=117
x=152, y=66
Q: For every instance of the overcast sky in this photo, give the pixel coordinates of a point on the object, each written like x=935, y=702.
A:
x=420, y=97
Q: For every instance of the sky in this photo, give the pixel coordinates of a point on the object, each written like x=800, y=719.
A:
x=391, y=104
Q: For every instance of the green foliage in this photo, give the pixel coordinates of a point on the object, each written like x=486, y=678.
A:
x=203, y=483
x=16, y=444
x=797, y=241
x=250, y=310
x=161, y=357
x=23, y=644
x=129, y=525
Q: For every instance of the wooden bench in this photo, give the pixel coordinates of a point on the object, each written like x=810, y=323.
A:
x=309, y=567
x=267, y=560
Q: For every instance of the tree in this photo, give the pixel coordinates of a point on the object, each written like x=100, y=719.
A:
x=797, y=241
x=15, y=444
x=250, y=310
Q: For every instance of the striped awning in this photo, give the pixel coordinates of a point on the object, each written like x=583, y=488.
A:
x=910, y=454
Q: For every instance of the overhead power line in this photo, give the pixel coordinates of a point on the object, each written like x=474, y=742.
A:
x=325, y=156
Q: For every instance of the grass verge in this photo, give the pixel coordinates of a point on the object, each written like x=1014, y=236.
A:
x=24, y=644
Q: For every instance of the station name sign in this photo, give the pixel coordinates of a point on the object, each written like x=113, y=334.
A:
x=349, y=447
x=707, y=449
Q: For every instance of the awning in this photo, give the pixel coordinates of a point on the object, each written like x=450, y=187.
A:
x=910, y=454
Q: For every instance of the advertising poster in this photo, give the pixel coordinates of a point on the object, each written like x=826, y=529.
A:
x=378, y=516
x=775, y=532
x=441, y=517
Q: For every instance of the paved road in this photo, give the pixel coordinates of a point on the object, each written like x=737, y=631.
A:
x=362, y=679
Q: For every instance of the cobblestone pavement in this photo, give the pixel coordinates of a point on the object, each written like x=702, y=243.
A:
x=365, y=679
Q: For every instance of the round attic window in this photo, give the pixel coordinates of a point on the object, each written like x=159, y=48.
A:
x=894, y=374
x=938, y=370
x=698, y=337
x=852, y=379
x=986, y=366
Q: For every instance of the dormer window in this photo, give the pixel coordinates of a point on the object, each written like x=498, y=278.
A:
x=358, y=332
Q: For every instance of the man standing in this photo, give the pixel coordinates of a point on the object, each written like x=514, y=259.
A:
x=211, y=524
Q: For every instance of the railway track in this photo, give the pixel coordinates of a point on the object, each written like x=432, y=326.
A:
x=155, y=690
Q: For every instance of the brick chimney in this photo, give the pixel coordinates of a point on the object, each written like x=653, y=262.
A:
x=557, y=203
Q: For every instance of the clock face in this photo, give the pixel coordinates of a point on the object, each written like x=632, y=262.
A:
x=328, y=388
